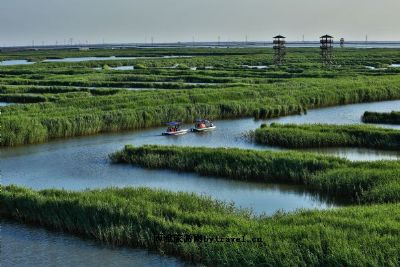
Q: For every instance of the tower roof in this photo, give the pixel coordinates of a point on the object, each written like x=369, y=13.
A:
x=326, y=36
x=279, y=36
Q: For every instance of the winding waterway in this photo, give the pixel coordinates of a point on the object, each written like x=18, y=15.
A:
x=81, y=163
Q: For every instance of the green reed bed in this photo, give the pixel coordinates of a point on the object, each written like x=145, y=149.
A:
x=40, y=55
x=91, y=114
x=327, y=135
x=384, y=118
x=79, y=100
x=22, y=98
x=365, y=57
x=359, y=182
x=353, y=236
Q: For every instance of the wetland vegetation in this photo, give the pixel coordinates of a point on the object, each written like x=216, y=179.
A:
x=71, y=98
x=132, y=217
x=360, y=182
x=327, y=135
x=379, y=117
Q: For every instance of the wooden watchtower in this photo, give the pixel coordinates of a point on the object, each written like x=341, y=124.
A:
x=326, y=50
x=279, y=45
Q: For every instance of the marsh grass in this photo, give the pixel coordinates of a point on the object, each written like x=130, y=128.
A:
x=358, y=182
x=384, y=118
x=353, y=236
x=327, y=135
x=77, y=100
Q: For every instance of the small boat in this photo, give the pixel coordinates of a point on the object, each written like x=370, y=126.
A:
x=174, y=129
x=203, y=126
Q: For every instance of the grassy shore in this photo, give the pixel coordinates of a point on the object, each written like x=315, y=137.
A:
x=360, y=182
x=384, y=118
x=326, y=135
x=354, y=236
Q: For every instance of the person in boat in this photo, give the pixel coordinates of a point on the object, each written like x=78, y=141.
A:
x=201, y=124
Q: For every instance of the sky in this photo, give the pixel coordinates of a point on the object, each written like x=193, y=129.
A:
x=125, y=21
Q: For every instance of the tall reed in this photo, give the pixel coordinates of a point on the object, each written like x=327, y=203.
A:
x=353, y=236
x=359, y=182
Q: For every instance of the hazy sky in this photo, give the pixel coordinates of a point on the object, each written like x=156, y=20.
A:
x=22, y=21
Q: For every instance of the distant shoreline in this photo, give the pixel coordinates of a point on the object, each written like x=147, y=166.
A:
x=235, y=44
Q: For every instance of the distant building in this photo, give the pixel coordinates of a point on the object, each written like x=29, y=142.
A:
x=342, y=42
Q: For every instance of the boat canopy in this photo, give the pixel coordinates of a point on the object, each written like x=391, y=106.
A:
x=173, y=123
x=202, y=120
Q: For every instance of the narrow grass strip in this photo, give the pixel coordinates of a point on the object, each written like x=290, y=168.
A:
x=327, y=135
x=360, y=182
x=384, y=118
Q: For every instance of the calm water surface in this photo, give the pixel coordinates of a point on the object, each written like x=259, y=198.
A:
x=84, y=59
x=15, y=62
x=118, y=68
x=4, y=104
x=81, y=59
x=23, y=245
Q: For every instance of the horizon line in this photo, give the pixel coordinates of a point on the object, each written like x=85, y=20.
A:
x=177, y=43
